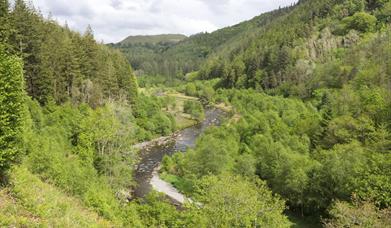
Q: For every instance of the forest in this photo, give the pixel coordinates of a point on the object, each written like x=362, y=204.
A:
x=305, y=140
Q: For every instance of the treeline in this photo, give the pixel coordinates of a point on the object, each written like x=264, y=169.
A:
x=63, y=65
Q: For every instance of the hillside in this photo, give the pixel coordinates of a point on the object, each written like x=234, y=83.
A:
x=285, y=53
x=153, y=39
x=176, y=60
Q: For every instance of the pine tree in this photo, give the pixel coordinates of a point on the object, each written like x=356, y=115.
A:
x=12, y=110
x=26, y=41
x=46, y=86
x=89, y=55
x=5, y=27
x=72, y=69
x=4, y=5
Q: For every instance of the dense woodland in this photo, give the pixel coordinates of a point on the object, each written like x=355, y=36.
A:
x=306, y=141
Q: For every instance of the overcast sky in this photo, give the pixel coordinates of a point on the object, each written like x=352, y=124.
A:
x=113, y=20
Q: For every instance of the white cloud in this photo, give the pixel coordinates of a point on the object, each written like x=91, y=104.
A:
x=113, y=20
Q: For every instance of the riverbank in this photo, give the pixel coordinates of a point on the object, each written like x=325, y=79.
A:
x=168, y=189
x=156, y=182
x=152, y=153
x=158, y=141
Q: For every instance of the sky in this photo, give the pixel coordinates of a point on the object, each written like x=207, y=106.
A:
x=114, y=20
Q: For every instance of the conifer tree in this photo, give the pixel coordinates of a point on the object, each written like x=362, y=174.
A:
x=89, y=56
x=3, y=7
x=5, y=28
x=27, y=41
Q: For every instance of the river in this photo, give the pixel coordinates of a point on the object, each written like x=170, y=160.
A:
x=152, y=153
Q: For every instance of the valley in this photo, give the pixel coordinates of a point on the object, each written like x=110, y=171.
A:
x=282, y=120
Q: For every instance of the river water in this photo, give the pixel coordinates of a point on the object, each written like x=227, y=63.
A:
x=151, y=154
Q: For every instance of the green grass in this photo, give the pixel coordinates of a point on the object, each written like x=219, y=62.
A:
x=183, y=185
x=182, y=119
x=13, y=214
x=183, y=122
x=41, y=204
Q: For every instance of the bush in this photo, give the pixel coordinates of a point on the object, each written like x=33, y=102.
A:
x=357, y=214
x=191, y=90
x=360, y=21
x=231, y=201
x=195, y=109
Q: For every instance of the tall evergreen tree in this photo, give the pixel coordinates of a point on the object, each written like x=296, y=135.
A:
x=4, y=5
x=5, y=27
x=71, y=68
x=26, y=41
x=90, y=52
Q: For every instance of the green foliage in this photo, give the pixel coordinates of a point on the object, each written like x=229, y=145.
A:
x=345, y=129
x=157, y=212
x=191, y=90
x=342, y=167
x=86, y=153
x=358, y=214
x=182, y=184
x=195, y=109
x=375, y=182
x=12, y=213
x=315, y=152
x=49, y=205
x=5, y=26
x=151, y=120
x=309, y=156
x=155, y=39
x=56, y=154
x=80, y=70
x=231, y=201
x=214, y=153
x=12, y=110
x=204, y=90
x=360, y=21
x=384, y=14
x=373, y=4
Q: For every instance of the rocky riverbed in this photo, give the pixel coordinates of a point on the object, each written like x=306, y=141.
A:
x=152, y=153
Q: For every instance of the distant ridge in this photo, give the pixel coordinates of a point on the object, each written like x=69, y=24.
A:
x=154, y=39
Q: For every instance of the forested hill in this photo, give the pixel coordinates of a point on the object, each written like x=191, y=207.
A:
x=152, y=39
x=176, y=60
x=62, y=65
x=275, y=49
x=288, y=55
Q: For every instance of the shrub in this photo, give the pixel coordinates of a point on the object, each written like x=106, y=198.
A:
x=195, y=109
x=360, y=21
x=12, y=109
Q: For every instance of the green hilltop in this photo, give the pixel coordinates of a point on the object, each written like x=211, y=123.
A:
x=153, y=39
